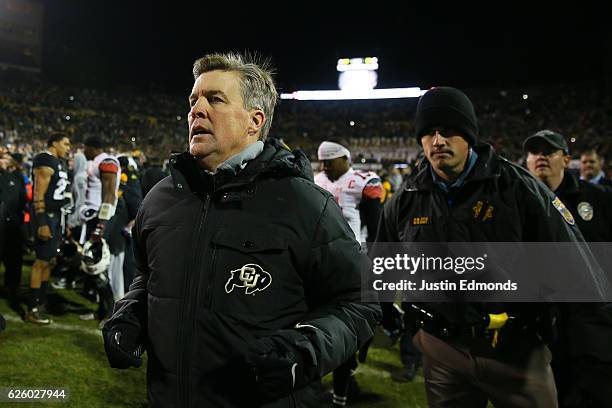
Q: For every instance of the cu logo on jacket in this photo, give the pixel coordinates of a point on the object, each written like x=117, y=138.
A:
x=252, y=277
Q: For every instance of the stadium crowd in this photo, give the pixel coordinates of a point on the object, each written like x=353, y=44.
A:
x=133, y=133
x=378, y=130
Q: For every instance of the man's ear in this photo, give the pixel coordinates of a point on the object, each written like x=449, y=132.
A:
x=258, y=118
x=566, y=160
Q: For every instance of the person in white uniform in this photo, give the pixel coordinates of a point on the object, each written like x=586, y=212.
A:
x=101, y=195
x=359, y=195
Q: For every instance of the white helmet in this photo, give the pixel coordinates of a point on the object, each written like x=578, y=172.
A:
x=96, y=257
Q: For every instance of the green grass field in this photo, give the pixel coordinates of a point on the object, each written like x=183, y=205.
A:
x=70, y=354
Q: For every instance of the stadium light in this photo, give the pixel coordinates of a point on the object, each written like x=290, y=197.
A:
x=389, y=93
x=357, y=79
x=357, y=64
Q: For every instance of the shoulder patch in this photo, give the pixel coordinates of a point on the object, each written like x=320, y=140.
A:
x=567, y=215
x=108, y=167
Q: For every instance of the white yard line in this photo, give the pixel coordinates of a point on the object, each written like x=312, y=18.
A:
x=57, y=326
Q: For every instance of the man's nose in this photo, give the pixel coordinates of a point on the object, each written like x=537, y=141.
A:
x=199, y=109
x=438, y=139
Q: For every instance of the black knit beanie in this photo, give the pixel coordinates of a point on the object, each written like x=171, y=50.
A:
x=447, y=107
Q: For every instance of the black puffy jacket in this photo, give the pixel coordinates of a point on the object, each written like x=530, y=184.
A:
x=193, y=235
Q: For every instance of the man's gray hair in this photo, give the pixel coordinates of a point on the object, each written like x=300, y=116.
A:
x=256, y=86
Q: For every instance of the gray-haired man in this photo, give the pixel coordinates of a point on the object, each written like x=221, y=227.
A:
x=248, y=276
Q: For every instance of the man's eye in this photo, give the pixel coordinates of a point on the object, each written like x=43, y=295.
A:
x=216, y=99
x=192, y=102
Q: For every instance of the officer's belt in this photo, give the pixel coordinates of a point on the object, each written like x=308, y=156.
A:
x=490, y=328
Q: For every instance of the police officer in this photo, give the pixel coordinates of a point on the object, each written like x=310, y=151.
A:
x=582, y=359
x=466, y=367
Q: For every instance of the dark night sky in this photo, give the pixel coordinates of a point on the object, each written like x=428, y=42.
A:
x=112, y=43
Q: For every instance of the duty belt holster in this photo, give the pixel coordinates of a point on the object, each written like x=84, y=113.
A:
x=491, y=328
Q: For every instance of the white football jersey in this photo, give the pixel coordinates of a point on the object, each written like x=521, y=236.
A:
x=349, y=190
x=93, y=193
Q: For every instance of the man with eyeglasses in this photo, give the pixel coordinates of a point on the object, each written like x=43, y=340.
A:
x=582, y=358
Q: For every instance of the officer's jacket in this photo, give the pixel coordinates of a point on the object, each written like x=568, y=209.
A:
x=591, y=205
x=499, y=202
x=588, y=325
x=224, y=260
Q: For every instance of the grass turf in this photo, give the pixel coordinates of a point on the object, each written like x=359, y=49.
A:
x=70, y=354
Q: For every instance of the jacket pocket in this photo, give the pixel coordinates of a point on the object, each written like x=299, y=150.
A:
x=250, y=270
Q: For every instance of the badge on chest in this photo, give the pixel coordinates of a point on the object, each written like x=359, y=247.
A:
x=483, y=210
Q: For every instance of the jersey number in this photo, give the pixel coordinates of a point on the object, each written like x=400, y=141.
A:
x=60, y=188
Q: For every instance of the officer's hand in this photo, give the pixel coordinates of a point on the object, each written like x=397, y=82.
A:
x=278, y=367
x=44, y=233
x=121, y=345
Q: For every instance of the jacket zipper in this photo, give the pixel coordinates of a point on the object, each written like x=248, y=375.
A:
x=187, y=321
x=209, y=288
x=208, y=293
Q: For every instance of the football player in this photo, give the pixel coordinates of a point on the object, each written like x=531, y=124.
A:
x=359, y=195
x=103, y=178
x=50, y=172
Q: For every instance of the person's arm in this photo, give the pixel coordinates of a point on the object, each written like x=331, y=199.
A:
x=337, y=325
x=371, y=206
x=129, y=317
x=108, y=177
x=109, y=182
x=42, y=178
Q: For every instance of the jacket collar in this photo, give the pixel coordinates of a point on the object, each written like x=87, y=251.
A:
x=569, y=185
x=276, y=160
x=239, y=161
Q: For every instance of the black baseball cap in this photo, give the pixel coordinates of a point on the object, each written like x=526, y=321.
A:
x=554, y=139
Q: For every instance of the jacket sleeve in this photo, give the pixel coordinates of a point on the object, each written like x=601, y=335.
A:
x=371, y=208
x=132, y=309
x=545, y=218
x=133, y=198
x=387, y=224
x=338, y=323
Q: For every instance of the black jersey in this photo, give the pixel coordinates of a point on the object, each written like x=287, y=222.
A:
x=55, y=197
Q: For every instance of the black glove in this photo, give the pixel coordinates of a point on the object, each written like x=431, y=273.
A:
x=280, y=363
x=122, y=346
x=392, y=321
